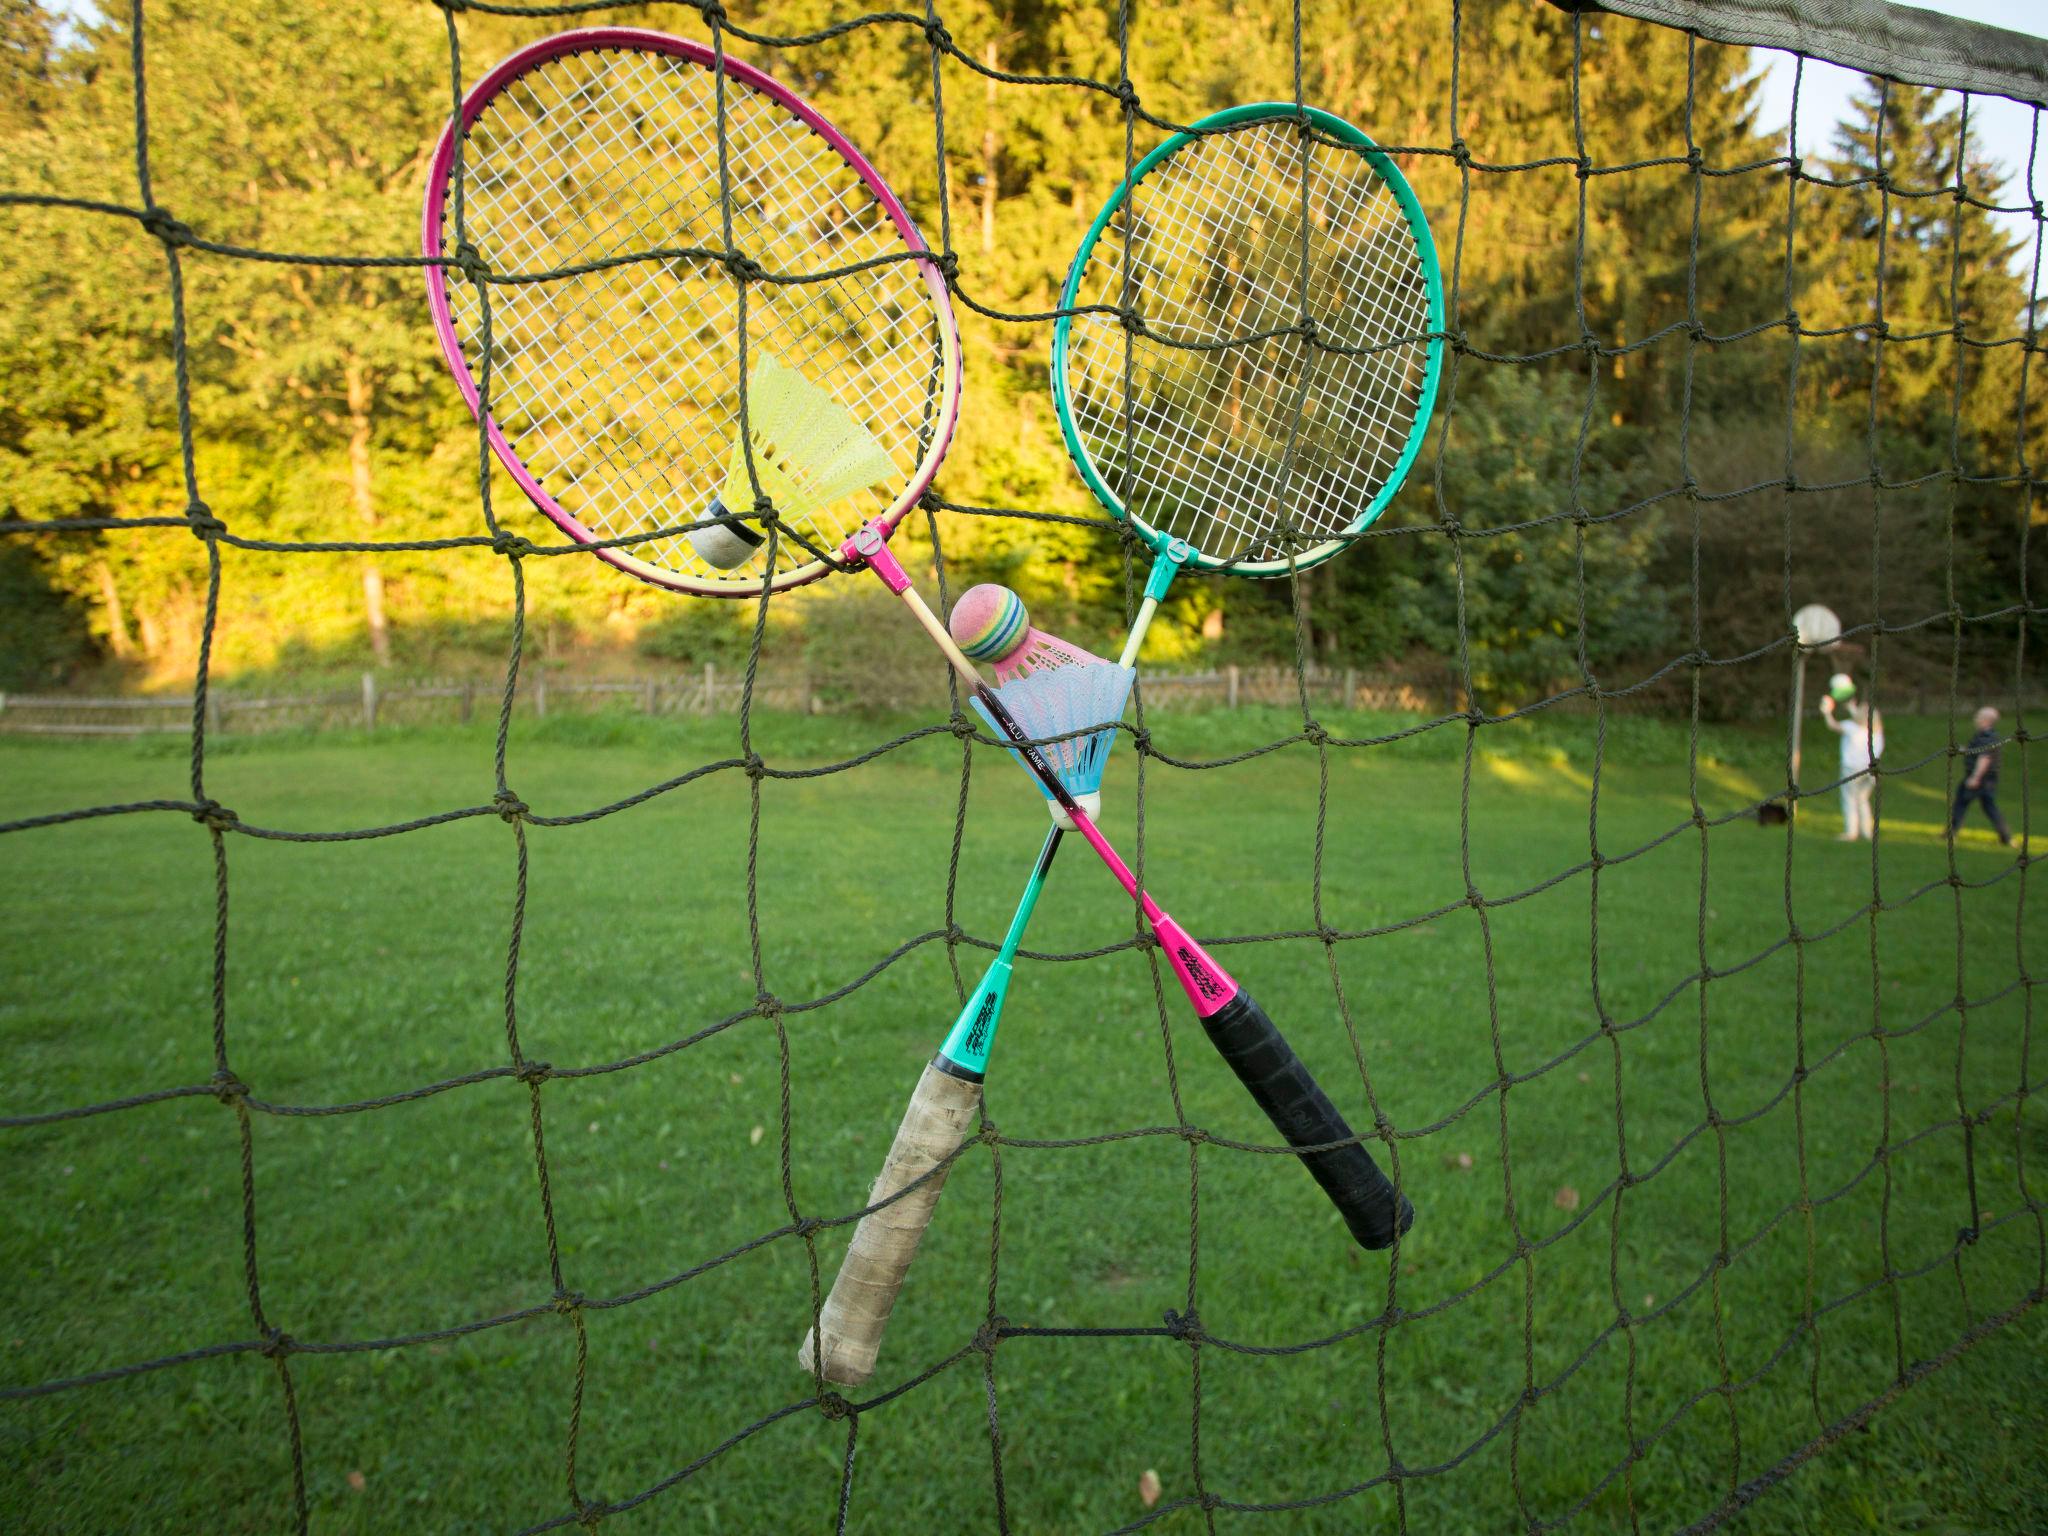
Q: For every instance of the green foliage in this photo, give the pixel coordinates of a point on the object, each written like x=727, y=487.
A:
x=1526, y=596
x=322, y=411
x=43, y=633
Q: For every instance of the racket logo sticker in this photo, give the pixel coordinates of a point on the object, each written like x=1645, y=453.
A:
x=1198, y=973
x=977, y=1037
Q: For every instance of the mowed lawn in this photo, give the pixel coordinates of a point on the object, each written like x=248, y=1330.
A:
x=1664, y=1324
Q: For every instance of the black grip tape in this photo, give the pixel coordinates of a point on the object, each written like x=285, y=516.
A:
x=1264, y=1062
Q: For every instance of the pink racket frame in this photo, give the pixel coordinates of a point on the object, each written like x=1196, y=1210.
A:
x=586, y=40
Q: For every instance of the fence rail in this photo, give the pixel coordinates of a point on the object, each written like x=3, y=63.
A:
x=712, y=690
x=700, y=692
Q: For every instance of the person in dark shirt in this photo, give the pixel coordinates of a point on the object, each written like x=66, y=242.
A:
x=1980, y=778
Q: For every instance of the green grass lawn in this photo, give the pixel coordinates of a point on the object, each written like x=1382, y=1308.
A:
x=364, y=969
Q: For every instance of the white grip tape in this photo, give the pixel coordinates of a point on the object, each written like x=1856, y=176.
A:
x=940, y=1117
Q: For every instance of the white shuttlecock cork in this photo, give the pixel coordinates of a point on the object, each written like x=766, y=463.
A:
x=808, y=452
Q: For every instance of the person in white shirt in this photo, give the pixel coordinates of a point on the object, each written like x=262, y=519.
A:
x=1861, y=730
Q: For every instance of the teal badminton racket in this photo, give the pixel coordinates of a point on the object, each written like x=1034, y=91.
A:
x=1244, y=374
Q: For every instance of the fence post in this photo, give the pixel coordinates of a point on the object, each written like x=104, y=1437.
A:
x=369, y=701
x=710, y=688
x=647, y=696
x=1230, y=686
x=1350, y=687
x=213, y=710
x=468, y=699
x=540, y=695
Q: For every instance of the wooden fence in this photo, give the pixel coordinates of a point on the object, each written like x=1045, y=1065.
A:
x=709, y=690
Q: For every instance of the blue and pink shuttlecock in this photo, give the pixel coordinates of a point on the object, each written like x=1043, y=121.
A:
x=1050, y=686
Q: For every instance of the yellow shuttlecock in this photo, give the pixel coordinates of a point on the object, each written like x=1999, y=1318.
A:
x=808, y=453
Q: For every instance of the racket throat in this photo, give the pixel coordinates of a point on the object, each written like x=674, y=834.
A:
x=965, y=1052
x=1208, y=986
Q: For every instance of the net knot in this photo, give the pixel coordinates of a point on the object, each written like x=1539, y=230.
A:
x=1183, y=1325
x=276, y=1343
x=512, y=544
x=510, y=807
x=204, y=524
x=834, y=1407
x=948, y=263
x=806, y=1225
x=1127, y=94
x=1795, y=167
x=1461, y=153
x=1583, y=167
x=1966, y=1236
x=1589, y=344
x=469, y=261
x=568, y=1303
x=1309, y=331
x=1474, y=898
x=1131, y=321
x=215, y=817
x=227, y=1087
x=753, y=766
x=743, y=267
x=990, y=1334
x=453, y=7
x=158, y=222
x=936, y=34
x=1316, y=733
x=534, y=1073
x=768, y=1005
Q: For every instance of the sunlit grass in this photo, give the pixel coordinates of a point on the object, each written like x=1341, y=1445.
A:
x=362, y=969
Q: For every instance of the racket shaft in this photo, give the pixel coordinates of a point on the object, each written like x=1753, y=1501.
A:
x=850, y=1326
x=1259, y=1054
x=1256, y=1050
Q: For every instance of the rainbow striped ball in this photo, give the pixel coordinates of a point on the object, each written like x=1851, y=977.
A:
x=989, y=622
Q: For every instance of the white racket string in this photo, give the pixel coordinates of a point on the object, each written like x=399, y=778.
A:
x=1215, y=254
x=618, y=389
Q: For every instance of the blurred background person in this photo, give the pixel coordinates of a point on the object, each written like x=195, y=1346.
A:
x=1980, y=778
x=1861, y=730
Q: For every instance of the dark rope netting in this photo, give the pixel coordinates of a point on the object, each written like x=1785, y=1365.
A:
x=1409, y=1148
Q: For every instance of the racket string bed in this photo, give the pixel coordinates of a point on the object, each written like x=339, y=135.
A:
x=617, y=389
x=1186, y=448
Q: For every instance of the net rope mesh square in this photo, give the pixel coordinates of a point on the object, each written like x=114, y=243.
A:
x=1185, y=395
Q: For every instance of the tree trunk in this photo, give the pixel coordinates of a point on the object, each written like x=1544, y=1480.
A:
x=359, y=401
x=991, y=141
x=118, y=639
